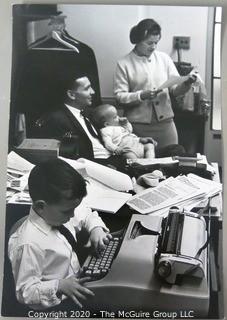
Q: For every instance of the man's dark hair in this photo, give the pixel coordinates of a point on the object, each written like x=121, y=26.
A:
x=48, y=181
x=73, y=83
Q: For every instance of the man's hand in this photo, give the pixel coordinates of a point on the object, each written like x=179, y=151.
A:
x=121, y=150
x=149, y=94
x=118, y=151
x=75, y=289
x=99, y=239
x=148, y=140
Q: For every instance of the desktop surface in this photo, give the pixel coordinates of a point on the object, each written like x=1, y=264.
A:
x=131, y=284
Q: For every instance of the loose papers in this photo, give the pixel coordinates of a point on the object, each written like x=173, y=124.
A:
x=173, y=80
x=173, y=191
x=105, y=187
x=17, y=179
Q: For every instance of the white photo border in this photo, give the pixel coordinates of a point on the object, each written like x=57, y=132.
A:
x=5, y=83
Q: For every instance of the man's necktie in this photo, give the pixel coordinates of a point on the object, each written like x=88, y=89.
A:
x=90, y=128
x=69, y=237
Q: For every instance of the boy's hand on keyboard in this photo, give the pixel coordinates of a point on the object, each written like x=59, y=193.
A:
x=99, y=239
x=75, y=289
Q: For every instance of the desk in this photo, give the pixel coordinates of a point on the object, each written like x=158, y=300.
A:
x=216, y=201
x=192, y=289
x=119, y=220
x=216, y=256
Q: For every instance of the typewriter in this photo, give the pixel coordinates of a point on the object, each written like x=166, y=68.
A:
x=139, y=268
x=182, y=246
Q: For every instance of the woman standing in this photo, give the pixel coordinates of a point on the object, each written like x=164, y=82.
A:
x=138, y=76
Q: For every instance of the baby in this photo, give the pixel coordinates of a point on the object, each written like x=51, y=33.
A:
x=118, y=137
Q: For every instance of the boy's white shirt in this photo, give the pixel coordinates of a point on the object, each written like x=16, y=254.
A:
x=41, y=256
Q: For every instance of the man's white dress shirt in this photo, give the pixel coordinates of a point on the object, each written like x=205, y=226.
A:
x=99, y=150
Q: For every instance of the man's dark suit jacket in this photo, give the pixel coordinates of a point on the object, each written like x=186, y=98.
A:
x=62, y=125
x=43, y=77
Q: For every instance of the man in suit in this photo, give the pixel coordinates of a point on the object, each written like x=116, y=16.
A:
x=70, y=124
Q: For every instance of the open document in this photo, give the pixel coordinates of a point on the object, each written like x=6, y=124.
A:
x=172, y=81
x=173, y=191
x=176, y=80
x=105, y=188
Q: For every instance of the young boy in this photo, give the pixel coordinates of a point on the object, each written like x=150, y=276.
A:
x=118, y=137
x=45, y=266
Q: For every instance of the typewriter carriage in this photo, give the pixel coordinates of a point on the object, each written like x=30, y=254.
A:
x=178, y=255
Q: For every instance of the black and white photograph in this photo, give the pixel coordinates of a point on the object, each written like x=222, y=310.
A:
x=115, y=167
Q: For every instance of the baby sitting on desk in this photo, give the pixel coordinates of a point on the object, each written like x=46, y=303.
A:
x=118, y=137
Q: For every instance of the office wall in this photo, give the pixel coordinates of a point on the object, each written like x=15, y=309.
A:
x=106, y=29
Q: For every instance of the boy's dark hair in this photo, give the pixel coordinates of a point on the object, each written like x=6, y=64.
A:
x=48, y=180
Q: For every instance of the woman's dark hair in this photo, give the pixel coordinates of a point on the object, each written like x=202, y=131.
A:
x=144, y=29
x=48, y=181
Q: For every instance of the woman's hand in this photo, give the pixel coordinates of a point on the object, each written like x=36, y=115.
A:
x=191, y=79
x=75, y=289
x=149, y=94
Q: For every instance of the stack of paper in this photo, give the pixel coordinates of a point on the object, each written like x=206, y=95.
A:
x=17, y=164
x=147, y=162
x=22, y=197
x=180, y=191
x=18, y=170
x=200, y=161
x=210, y=187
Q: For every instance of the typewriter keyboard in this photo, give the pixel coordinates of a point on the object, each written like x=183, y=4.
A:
x=97, y=268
